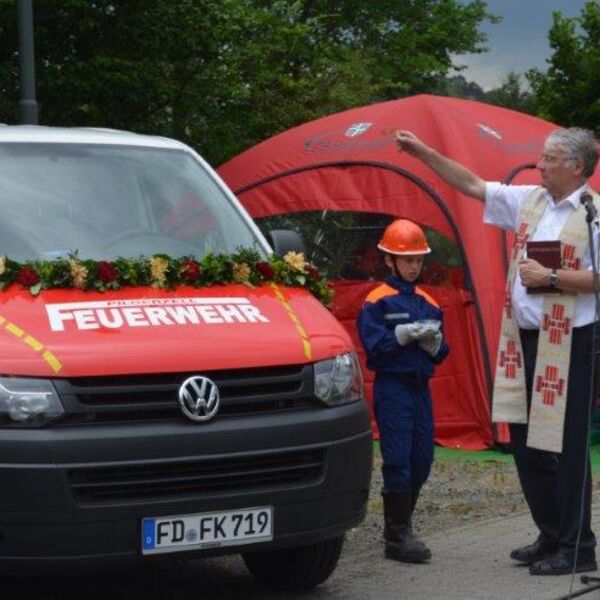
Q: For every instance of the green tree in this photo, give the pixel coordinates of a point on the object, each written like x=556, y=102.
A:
x=225, y=75
x=569, y=91
x=458, y=87
x=512, y=94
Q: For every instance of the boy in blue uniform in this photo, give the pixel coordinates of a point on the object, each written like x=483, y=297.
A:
x=400, y=327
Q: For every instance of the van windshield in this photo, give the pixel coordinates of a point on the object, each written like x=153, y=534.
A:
x=106, y=201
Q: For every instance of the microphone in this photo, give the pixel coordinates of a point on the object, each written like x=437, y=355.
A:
x=592, y=214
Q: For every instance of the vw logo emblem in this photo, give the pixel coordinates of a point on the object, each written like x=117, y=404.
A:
x=199, y=398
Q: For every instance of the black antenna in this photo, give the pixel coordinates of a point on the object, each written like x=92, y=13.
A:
x=28, y=108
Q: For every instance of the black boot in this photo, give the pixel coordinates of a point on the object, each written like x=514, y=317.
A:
x=400, y=542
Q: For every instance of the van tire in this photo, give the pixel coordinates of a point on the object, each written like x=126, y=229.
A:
x=299, y=568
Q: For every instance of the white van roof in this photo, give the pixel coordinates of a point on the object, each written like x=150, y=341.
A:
x=82, y=135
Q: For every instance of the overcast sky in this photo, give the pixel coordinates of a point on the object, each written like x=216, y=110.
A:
x=519, y=42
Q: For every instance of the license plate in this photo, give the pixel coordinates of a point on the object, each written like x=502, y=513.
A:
x=207, y=530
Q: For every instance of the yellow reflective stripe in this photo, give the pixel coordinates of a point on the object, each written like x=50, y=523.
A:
x=12, y=328
x=307, y=348
x=295, y=320
x=54, y=363
x=32, y=342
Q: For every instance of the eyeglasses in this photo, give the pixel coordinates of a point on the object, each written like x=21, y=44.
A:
x=552, y=160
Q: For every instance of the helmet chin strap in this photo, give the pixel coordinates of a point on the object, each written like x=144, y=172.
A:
x=394, y=269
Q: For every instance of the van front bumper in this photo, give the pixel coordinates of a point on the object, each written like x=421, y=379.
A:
x=46, y=522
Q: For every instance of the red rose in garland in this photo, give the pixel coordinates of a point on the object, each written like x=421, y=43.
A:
x=27, y=277
x=190, y=271
x=245, y=266
x=266, y=270
x=313, y=272
x=107, y=272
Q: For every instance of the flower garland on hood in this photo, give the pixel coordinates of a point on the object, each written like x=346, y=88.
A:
x=245, y=266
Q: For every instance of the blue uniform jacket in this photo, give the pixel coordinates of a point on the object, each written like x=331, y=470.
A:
x=385, y=307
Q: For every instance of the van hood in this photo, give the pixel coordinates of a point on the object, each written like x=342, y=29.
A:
x=70, y=333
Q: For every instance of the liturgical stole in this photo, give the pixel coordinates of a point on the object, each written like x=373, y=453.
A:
x=551, y=376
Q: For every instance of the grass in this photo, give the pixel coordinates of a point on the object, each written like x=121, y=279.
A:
x=443, y=454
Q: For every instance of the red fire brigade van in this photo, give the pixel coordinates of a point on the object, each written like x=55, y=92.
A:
x=137, y=421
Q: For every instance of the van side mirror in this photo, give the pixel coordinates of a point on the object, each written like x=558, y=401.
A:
x=285, y=240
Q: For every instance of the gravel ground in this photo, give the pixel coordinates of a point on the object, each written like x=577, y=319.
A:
x=457, y=492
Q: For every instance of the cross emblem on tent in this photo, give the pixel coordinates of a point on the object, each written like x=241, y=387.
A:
x=556, y=324
x=510, y=359
x=357, y=129
x=569, y=259
x=549, y=385
x=521, y=238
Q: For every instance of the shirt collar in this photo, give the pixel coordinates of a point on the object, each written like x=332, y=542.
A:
x=399, y=284
x=573, y=199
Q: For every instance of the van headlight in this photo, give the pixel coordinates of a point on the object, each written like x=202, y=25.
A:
x=338, y=380
x=27, y=402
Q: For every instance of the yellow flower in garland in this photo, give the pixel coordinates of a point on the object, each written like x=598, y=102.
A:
x=245, y=266
x=296, y=260
x=241, y=272
x=78, y=273
x=158, y=270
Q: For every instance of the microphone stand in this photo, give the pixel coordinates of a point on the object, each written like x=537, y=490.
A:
x=591, y=219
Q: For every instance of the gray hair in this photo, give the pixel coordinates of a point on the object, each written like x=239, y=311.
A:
x=580, y=144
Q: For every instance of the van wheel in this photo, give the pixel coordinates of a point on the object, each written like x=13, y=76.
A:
x=295, y=568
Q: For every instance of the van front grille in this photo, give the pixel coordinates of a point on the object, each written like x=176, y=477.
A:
x=182, y=479
x=126, y=399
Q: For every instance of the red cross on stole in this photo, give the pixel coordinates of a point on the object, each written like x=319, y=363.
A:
x=508, y=304
x=568, y=258
x=510, y=359
x=550, y=385
x=556, y=324
x=521, y=237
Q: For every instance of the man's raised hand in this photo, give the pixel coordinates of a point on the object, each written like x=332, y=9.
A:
x=407, y=141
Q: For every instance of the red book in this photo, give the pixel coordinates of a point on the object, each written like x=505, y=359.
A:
x=548, y=254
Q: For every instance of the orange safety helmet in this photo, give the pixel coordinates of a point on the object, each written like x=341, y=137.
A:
x=404, y=237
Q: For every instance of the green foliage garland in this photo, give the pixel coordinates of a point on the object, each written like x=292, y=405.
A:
x=245, y=266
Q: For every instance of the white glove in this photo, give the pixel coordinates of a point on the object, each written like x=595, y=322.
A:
x=431, y=344
x=428, y=328
x=407, y=332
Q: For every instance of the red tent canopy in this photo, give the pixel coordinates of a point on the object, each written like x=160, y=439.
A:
x=349, y=162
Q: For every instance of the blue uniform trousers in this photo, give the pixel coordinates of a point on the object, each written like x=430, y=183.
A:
x=404, y=417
